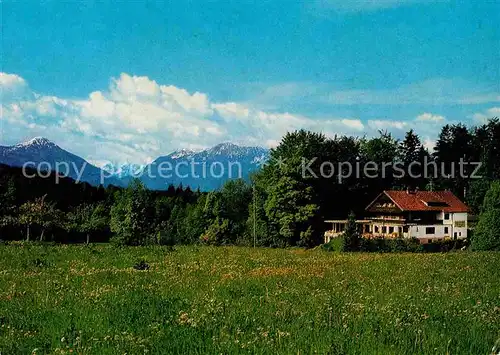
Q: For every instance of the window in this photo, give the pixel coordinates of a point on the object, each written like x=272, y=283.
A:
x=446, y=216
x=405, y=229
x=436, y=203
x=446, y=230
x=384, y=230
x=376, y=229
x=430, y=230
x=391, y=230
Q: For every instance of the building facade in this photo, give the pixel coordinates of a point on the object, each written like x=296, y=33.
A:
x=426, y=215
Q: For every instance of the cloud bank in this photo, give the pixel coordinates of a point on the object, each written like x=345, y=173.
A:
x=136, y=119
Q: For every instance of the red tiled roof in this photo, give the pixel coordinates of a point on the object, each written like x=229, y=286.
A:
x=415, y=201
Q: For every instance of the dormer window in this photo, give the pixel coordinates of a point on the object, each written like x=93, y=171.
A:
x=435, y=203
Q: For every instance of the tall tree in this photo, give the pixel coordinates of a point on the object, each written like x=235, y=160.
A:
x=133, y=215
x=453, y=153
x=290, y=207
x=486, y=148
x=413, y=157
x=382, y=152
x=487, y=232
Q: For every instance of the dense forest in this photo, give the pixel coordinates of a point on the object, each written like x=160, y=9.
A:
x=280, y=205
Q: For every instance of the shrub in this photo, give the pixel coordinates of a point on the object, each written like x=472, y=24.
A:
x=443, y=246
x=381, y=245
x=165, y=238
x=351, y=238
x=141, y=265
x=487, y=232
x=335, y=244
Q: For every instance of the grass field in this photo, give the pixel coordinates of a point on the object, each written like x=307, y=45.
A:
x=203, y=300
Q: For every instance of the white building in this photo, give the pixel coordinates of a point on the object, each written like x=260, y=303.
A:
x=426, y=215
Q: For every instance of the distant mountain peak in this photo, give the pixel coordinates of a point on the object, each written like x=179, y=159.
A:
x=181, y=153
x=37, y=142
x=226, y=145
x=123, y=170
x=40, y=150
x=227, y=148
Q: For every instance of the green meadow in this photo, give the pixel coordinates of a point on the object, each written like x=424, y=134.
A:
x=226, y=300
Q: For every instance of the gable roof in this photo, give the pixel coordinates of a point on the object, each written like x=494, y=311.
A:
x=444, y=201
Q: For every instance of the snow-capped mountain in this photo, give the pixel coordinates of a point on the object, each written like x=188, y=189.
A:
x=41, y=153
x=207, y=169
x=123, y=170
x=125, y=173
x=183, y=153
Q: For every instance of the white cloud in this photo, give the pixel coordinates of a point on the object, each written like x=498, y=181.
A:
x=10, y=81
x=136, y=118
x=483, y=117
x=13, y=88
x=386, y=124
x=429, y=144
x=355, y=124
x=430, y=117
x=229, y=110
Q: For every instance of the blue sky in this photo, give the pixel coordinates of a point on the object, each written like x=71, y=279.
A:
x=127, y=81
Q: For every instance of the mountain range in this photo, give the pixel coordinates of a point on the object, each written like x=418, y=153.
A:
x=206, y=169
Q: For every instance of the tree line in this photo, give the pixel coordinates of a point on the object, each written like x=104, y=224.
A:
x=280, y=206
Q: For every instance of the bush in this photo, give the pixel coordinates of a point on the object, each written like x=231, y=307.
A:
x=165, y=238
x=351, y=239
x=487, y=232
x=335, y=244
x=443, y=246
x=141, y=265
x=398, y=245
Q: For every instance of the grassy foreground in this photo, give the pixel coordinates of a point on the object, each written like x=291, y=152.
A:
x=90, y=300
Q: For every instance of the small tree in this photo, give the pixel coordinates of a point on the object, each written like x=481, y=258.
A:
x=218, y=233
x=487, y=233
x=133, y=215
x=351, y=237
x=88, y=219
x=38, y=213
x=8, y=198
x=8, y=208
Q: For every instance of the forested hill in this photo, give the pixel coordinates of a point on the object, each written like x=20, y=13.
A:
x=281, y=205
